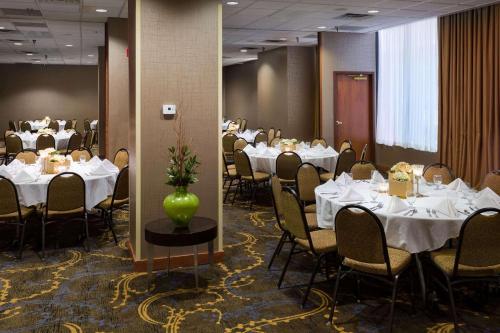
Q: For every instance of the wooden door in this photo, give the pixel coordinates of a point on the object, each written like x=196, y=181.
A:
x=353, y=111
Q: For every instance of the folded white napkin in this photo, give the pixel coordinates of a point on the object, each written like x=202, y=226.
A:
x=343, y=179
x=5, y=172
x=351, y=195
x=261, y=145
x=330, y=151
x=377, y=177
x=110, y=166
x=446, y=207
x=99, y=170
x=457, y=185
x=329, y=187
x=319, y=148
x=14, y=166
x=488, y=198
x=396, y=205
x=94, y=161
x=25, y=176
x=250, y=150
x=272, y=152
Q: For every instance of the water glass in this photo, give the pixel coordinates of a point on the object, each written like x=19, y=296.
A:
x=374, y=195
x=411, y=198
x=82, y=159
x=438, y=180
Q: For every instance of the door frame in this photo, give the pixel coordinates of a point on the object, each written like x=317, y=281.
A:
x=371, y=79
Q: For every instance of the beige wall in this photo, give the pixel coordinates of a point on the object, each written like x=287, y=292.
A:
x=118, y=91
x=33, y=92
x=176, y=61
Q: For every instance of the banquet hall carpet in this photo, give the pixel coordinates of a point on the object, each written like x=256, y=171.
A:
x=75, y=291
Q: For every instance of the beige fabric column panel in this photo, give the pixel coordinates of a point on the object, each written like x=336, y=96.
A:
x=177, y=61
x=118, y=91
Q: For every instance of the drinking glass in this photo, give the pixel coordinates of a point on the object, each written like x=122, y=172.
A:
x=438, y=180
x=411, y=198
x=374, y=195
x=82, y=159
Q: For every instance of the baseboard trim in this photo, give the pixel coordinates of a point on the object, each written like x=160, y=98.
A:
x=186, y=260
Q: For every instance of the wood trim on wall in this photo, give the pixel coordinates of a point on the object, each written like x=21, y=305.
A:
x=106, y=86
x=320, y=85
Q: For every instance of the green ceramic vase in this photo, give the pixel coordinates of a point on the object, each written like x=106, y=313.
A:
x=181, y=206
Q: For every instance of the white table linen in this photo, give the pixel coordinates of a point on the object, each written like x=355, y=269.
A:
x=61, y=139
x=93, y=125
x=41, y=124
x=249, y=135
x=225, y=125
x=417, y=233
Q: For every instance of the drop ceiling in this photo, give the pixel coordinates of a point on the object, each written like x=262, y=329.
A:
x=46, y=27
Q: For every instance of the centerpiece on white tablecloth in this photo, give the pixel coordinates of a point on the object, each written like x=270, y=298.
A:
x=288, y=144
x=46, y=131
x=53, y=162
x=400, y=179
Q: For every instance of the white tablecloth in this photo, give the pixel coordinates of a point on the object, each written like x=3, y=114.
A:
x=225, y=125
x=40, y=124
x=266, y=162
x=97, y=188
x=415, y=233
x=93, y=125
x=61, y=138
x=249, y=135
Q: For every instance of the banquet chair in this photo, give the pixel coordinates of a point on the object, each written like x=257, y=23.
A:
x=362, y=170
x=287, y=164
x=25, y=126
x=270, y=135
x=82, y=151
x=319, y=141
x=229, y=174
x=75, y=142
x=312, y=223
x=363, y=250
x=278, y=134
x=438, y=169
x=274, y=142
x=238, y=122
x=45, y=141
x=68, y=125
x=476, y=258
x=29, y=157
x=117, y=200
x=261, y=137
x=74, y=122
x=12, y=126
x=319, y=243
x=89, y=139
x=243, y=125
x=121, y=158
x=492, y=180
x=228, y=146
x=247, y=175
x=54, y=125
x=307, y=179
x=3, y=155
x=65, y=201
x=11, y=212
x=345, y=145
x=363, y=152
x=344, y=162
x=86, y=126
x=13, y=145
x=240, y=143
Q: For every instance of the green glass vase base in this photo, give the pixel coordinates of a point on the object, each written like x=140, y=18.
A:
x=181, y=206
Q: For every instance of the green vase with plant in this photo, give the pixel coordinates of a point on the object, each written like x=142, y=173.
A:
x=181, y=205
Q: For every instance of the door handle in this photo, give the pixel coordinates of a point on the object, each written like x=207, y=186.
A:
x=338, y=122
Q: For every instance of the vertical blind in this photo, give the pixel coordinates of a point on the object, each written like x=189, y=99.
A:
x=407, y=101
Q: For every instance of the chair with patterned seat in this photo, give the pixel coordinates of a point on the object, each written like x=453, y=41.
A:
x=344, y=163
x=287, y=164
x=68, y=125
x=319, y=141
x=74, y=143
x=121, y=158
x=25, y=126
x=13, y=145
x=278, y=133
x=12, y=126
x=270, y=135
x=45, y=141
x=345, y=145
x=11, y=212
x=243, y=125
x=363, y=250
x=362, y=170
x=228, y=146
x=307, y=179
x=492, y=180
x=54, y=125
x=319, y=243
x=240, y=143
x=78, y=153
x=438, y=169
x=229, y=174
x=247, y=176
x=28, y=156
x=261, y=137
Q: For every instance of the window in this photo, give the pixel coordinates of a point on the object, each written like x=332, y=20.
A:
x=407, y=100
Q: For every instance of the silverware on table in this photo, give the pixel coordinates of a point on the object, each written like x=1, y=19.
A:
x=413, y=211
x=407, y=213
x=378, y=206
x=428, y=212
x=435, y=213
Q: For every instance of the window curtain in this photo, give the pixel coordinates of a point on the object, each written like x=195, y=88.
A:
x=407, y=103
x=469, y=131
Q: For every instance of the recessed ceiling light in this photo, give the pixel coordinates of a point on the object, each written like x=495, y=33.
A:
x=18, y=44
x=244, y=50
x=91, y=55
x=321, y=27
x=37, y=61
x=2, y=28
x=69, y=45
x=232, y=3
x=101, y=10
x=29, y=54
x=283, y=39
x=374, y=11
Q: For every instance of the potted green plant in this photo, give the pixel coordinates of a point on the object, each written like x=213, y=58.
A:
x=181, y=205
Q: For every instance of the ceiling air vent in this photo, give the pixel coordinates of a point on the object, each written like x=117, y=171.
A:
x=20, y=12
x=353, y=16
x=274, y=41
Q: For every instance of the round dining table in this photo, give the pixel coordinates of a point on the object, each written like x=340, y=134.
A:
x=61, y=139
x=41, y=124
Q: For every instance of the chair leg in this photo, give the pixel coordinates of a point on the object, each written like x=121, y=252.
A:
x=452, y=304
x=43, y=237
x=252, y=199
x=393, y=301
x=236, y=192
x=21, y=241
x=286, y=264
x=335, y=291
x=86, y=241
x=277, y=250
x=110, y=225
x=311, y=281
x=228, y=189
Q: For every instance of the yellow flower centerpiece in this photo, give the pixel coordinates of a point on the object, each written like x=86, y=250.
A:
x=52, y=161
x=46, y=131
x=288, y=144
x=400, y=179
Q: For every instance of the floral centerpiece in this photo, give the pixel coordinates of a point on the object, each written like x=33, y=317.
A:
x=181, y=205
x=53, y=161
x=233, y=127
x=400, y=179
x=288, y=144
x=46, y=131
x=46, y=120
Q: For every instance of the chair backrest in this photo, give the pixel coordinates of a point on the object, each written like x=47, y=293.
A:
x=9, y=201
x=362, y=170
x=121, y=186
x=89, y=138
x=13, y=144
x=276, y=189
x=261, y=137
x=228, y=142
x=45, y=141
x=73, y=124
x=345, y=161
x=439, y=169
x=270, y=135
x=275, y=142
x=54, y=125
x=12, y=126
x=240, y=144
x=307, y=180
x=492, y=180
x=25, y=126
x=86, y=125
x=479, y=240
x=75, y=154
x=121, y=158
x=68, y=125
x=75, y=142
x=287, y=164
x=345, y=145
x=361, y=236
x=278, y=133
x=29, y=157
x=242, y=163
x=243, y=125
x=238, y=121
x=319, y=141
x=66, y=192
x=363, y=152
x=293, y=213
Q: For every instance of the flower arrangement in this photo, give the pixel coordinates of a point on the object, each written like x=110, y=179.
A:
x=46, y=119
x=46, y=131
x=400, y=179
x=56, y=158
x=401, y=176
x=288, y=142
x=402, y=167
